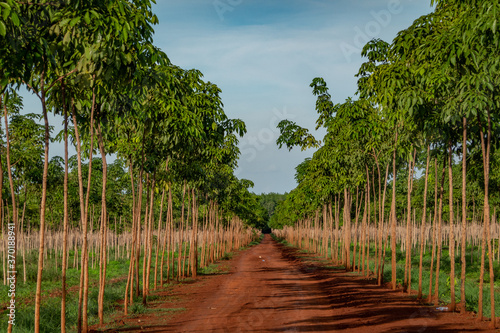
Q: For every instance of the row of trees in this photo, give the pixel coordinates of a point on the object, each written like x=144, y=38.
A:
x=94, y=63
x=426, y=104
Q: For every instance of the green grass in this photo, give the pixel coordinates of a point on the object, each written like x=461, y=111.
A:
x=211, y=269
x=471, y=281
x=51, y=283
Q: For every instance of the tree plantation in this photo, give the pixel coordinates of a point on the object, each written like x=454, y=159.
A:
x=166, y=207
x=403, y=189
x=404, y=186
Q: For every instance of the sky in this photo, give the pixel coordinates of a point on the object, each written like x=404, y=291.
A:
x=263, y=54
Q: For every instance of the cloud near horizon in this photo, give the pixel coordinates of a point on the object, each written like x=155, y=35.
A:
x=263, y=54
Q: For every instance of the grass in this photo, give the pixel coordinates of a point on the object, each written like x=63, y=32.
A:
x=472, y=275
x=50, y=313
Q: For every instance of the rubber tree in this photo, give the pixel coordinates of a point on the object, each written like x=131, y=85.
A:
x=112, y=34
x=471, y=46
x=379, y=83
x=452, y=86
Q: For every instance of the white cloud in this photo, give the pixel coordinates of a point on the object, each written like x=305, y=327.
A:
x=263, y=56
x=261, y=68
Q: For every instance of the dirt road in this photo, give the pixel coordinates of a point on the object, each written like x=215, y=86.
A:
x=270, y=288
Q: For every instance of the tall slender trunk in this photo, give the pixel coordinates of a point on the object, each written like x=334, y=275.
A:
x=366, y=217
x=130, y=277
x=451, y=248
x=38, y=293
x=146, y=239
x=356, y=215
x=82, y=212
x=65, y=232
x=149, y=241
x=486, y=150
x=378, y=240
x=347, y=229
x=179, y=257
x=194, y=242
x=102, y=263
x=12, y=227
x=380, y=278
x=24, y=238
x=337, y=208
x=422, y=228
x=186, y=235
x=167, y=238
x=138, y=213
x=464, y=217
x=434, y=221
x=393, y=221
x=407, y=280
x=85, y=255
x=158, y=238
x=439, y=233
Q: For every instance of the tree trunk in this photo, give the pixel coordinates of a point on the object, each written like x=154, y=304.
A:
x=12, y=227
x=102, y=264
x=393, y=221
x=451, y=248
x=85, y=255
x=424, y=216
x=434, y=221
x=130, y=276
x=179, y=257
x=158, y=239
x=38, y=293
x=380, y=278
x=194, y=243
x=407, y=280
x=439, y=240
x=486, y=150
x=337, y=222
x=65, y=232
x=150, y=240
x=464, y=217
x=347, y=229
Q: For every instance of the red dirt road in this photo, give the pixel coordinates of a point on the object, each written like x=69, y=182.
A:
x=271, y=289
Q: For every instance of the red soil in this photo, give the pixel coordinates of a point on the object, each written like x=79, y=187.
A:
x=274, y=288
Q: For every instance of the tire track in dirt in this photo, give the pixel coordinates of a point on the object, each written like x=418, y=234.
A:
x=272, y=289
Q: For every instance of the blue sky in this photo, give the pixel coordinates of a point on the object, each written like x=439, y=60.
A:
x=263, y=54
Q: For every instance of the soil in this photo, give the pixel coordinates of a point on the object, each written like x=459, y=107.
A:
x=274, y=288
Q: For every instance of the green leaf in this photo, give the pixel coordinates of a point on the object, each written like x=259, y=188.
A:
x=74, y=21
x=64, y=22
x=5, y=13
x=87, y=18
x=95, y=14
x=67, y=37
x=453, y=60
x=78, y=105
x=15, y=19
x=2, y=29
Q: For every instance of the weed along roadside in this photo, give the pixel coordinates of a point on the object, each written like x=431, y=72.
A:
x=275, y=286
x=308, y=247
x=173, y=299
x=115, y=288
